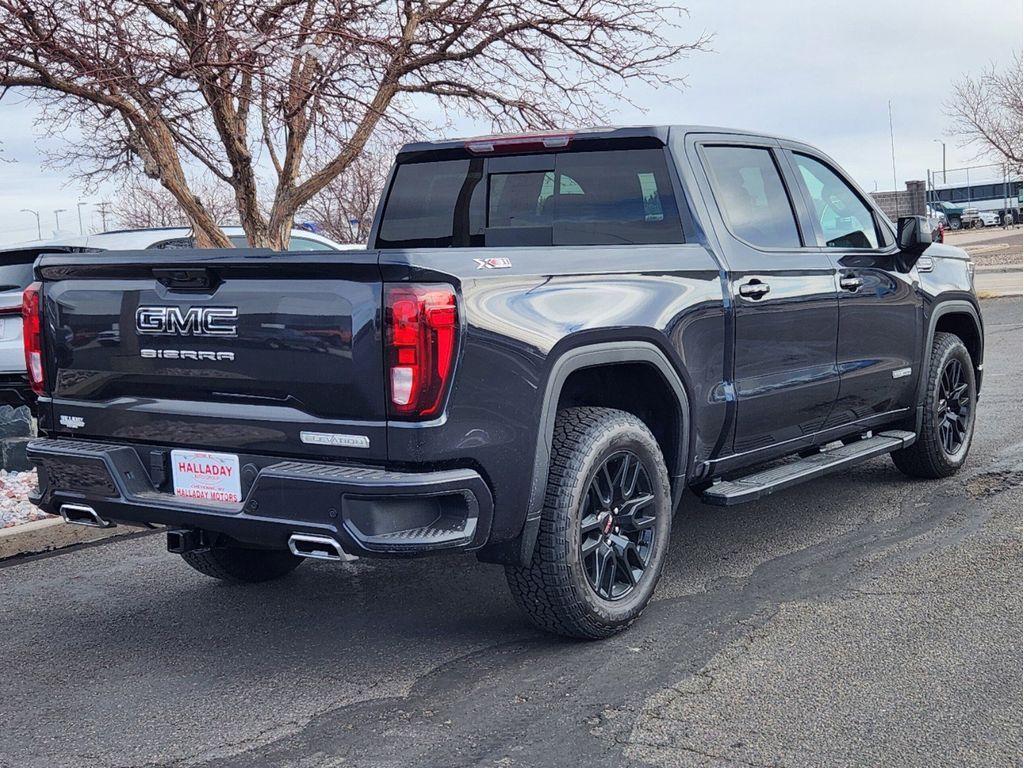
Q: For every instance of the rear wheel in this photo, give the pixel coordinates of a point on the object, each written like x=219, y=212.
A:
x=240, y=565
x=604, y=528
x=948, y=424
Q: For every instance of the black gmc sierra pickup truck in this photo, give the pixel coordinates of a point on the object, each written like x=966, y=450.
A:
x=550, y=338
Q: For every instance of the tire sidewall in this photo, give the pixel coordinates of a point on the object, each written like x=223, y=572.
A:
x=953, y=350
x=641, y=443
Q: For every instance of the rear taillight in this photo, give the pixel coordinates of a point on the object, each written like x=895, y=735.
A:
x=422, y=328
x=32, y=330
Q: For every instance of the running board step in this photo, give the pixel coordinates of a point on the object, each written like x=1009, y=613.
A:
x=730, y=492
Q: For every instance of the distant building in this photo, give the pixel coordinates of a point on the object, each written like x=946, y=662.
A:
x=908, y=202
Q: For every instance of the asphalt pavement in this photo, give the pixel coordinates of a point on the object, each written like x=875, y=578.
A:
x=862, y=620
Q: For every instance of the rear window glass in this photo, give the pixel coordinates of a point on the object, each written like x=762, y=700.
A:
x=582, y=198
x=15, y=276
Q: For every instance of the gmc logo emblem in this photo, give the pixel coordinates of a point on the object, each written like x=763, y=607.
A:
x=194, y=321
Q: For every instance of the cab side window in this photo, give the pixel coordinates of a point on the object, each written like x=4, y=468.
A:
x=845, y=219
x=749, y=191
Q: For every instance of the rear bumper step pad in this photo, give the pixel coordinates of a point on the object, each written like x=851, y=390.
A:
x=760, y=484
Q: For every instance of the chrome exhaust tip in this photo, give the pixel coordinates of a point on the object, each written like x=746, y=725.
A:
x=318, y=548
x=80, y=514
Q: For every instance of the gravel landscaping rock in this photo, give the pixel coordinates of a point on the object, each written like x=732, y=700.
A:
x=988, y=247
x=15, y=508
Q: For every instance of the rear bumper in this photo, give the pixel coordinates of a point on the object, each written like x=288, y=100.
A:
x=369, y=511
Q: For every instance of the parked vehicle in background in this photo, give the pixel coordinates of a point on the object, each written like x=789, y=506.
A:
x=994, y=194
x=162, y=238
x=937, y=223
x=553, y=338
x=15, y=275
x=977, y=219
x=937, y=215
x=952, y=213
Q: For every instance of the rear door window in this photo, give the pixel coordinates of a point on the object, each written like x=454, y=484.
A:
x=749, y=191
x=607, y=197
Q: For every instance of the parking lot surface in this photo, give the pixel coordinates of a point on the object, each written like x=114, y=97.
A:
x=865, y=619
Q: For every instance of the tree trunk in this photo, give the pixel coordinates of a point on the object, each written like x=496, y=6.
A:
x=253, y=223
x=282, y=218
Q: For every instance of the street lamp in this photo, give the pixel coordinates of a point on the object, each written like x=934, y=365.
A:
x=57, y=212
x=81, y=229
x=940, y=141
x=39, y=226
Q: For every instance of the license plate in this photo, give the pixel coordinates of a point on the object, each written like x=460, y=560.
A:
x=206, y=476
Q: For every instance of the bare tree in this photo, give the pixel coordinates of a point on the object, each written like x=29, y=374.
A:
x=986, y=112
x=344, y=208
x=294, y=89
x=142, y=204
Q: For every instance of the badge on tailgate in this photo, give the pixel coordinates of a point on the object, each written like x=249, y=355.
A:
x=206, y=476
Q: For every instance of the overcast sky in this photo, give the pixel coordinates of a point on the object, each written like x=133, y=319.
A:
x=820, y=71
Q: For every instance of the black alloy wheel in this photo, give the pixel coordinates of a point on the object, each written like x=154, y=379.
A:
x=952, y=407
x=617, y=526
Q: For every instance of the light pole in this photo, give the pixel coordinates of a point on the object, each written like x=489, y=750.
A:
x=81, y=229
x=940, y=141
x=57, y=212
x=103, y=212
x=39, y=226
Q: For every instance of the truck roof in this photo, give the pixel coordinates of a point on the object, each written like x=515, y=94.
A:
x=610, y=132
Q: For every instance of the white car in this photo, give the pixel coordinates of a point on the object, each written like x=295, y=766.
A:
x=16, y=273
x=988, y=218
x=181, y=237
x=977, y=218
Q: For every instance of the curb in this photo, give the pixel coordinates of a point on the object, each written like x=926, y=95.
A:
x=994, y=268
x=49, y=534
x=1000, y=294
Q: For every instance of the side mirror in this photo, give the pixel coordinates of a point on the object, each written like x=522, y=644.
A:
x=913, y=236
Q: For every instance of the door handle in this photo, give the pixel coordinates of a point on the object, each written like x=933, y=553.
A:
x=755, y=289
x=850, y=283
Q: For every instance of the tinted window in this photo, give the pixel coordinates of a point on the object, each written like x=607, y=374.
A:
x=305, y=244
x=178, y=242
x=749, y=191
x=16, y=276
x=429, y=205
x=588, y=198
x=845, y=219
x=619, y=196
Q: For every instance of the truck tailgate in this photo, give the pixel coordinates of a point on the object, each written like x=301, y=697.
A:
x=239, y=349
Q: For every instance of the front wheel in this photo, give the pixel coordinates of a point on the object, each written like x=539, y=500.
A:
x=947, y=427
x=604, y=528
